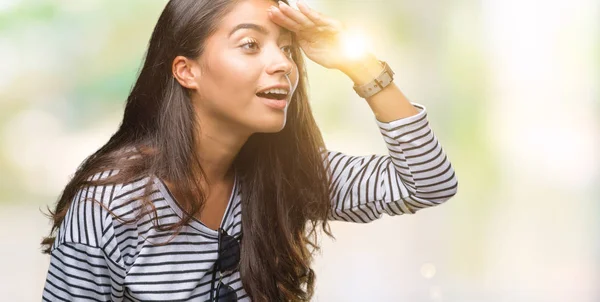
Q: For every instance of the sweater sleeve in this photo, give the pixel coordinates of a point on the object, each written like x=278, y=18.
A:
x=415, y=174
x=85, y=262
x=80, y=272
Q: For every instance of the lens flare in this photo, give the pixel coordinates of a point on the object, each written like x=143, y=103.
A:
x=354, y=43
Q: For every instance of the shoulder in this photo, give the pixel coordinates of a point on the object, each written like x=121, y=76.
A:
x=94, y=208
x=112, y=193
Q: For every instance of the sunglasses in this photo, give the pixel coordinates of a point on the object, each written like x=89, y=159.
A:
x=228, y=260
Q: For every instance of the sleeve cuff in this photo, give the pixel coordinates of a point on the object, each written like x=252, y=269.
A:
x=412, y=120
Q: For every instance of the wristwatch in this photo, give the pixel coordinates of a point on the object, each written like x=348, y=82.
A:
x=376, y=85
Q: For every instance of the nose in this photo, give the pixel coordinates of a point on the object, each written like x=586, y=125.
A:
x=281, y=63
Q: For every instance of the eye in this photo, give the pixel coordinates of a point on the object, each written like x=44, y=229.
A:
x=249, y=43
x=288, y=50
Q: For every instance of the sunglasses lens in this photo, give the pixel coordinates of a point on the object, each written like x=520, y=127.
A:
x=228, y=260
x=229, y=253
x=225, y=293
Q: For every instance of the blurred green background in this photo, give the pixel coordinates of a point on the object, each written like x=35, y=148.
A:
x=513, y=93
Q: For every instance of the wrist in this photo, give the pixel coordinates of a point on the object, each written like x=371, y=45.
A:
x=363, y=70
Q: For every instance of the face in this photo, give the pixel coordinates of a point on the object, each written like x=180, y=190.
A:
x=240, y=61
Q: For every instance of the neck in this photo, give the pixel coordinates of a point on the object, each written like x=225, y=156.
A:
x=218, y=145
x=216, y=158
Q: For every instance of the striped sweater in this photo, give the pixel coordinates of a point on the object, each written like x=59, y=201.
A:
x=96, y=257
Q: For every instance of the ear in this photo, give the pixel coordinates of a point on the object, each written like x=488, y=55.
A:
x=186, y=72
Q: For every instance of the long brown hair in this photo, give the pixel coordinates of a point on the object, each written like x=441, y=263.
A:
x=285, y=185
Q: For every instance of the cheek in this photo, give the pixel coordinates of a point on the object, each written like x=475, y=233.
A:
x=228, y=67
x=238, y=72
x=235, y=79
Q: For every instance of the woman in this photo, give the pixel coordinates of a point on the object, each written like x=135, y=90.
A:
x=216, y=181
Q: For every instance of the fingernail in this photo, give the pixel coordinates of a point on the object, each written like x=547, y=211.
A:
x=281, y=3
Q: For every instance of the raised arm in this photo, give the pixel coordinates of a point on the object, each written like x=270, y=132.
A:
x=414, y=175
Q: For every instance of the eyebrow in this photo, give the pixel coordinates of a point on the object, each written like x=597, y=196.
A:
x=258, y=28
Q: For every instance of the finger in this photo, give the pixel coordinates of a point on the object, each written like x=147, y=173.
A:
x=295, y=15
x=283, y=20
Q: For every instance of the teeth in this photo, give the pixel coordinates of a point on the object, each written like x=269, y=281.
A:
x=276, y=90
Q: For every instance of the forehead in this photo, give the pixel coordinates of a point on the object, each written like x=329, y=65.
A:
x=251, y=15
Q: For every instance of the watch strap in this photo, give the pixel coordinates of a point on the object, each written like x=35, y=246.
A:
x=376, y=85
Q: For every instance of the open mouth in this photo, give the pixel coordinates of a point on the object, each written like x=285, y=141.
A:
x=272, y=95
